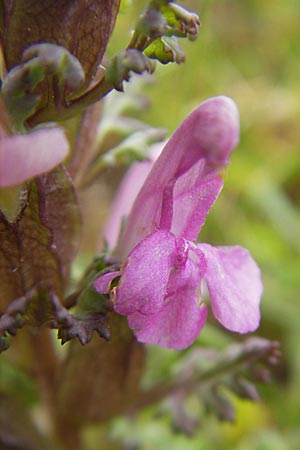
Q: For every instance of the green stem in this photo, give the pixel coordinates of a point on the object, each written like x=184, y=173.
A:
x=139, y=41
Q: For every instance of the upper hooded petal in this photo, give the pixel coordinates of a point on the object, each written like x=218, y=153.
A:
x=209, y=133
x=26, y=156
x=235, y=287
x=194, y=195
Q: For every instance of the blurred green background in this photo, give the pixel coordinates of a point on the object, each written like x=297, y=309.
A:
x=250, y=51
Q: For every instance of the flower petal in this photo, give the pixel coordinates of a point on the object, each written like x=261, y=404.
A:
x=145, y=275
x=26, y=156
x=177, y=324
x=103, y=283
x=235, y=287
x=210, y=133
x=194, y=195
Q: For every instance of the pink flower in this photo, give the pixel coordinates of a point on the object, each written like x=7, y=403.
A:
x=160, y=281
x=26, y=156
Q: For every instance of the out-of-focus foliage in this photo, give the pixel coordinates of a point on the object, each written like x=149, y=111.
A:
x=248, y=50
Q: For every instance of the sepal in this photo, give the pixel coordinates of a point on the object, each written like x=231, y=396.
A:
x=165, y=50
x=124, y=63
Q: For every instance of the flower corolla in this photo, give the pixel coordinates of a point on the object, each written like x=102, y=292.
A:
x=160, y=284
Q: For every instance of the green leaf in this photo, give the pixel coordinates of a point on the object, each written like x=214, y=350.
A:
x=56, y=60
x=18, y=91
x=182, y=22
x=132, y=148
x=90, y=301
x=163, y=18
x=24, y=88
x=165, y=50
x=124, y=63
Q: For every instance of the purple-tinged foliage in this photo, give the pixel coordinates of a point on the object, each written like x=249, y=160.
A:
x=160, y=286
x=82, y=27
x=38, y=245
